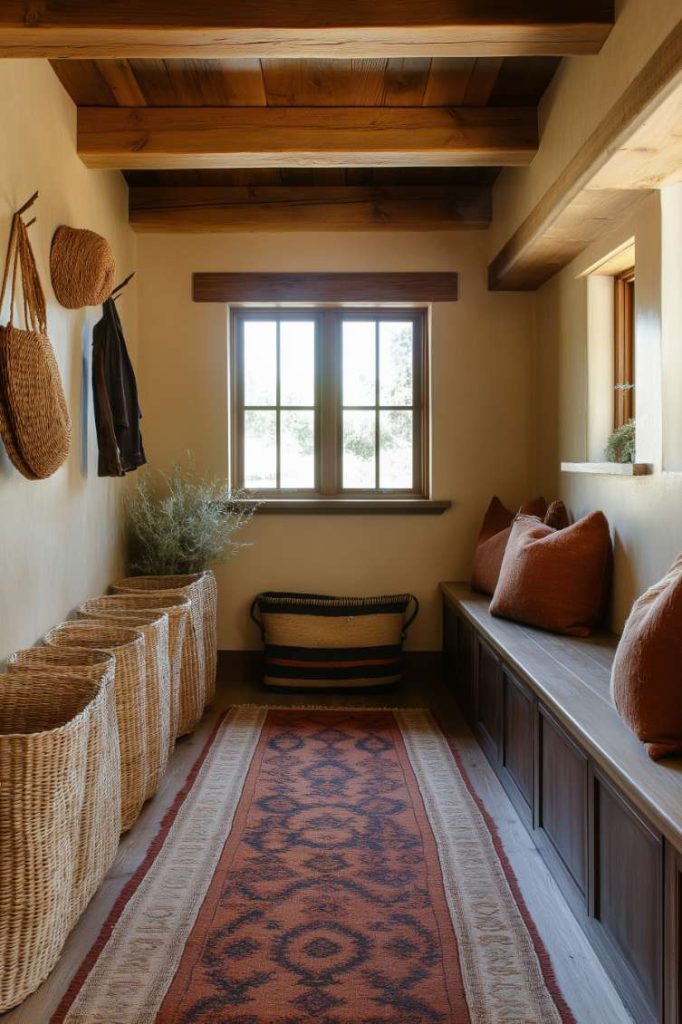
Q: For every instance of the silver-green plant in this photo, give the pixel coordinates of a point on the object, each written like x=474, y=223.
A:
x=177, y=523
x=620, y=446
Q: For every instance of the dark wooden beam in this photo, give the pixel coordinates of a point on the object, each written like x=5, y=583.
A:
x=312, y=287
x=176, y=137
x=313, y=208
x=303, y=28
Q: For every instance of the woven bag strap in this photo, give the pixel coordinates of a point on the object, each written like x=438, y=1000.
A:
x=254, y=617
x=20, y=261
x=413, y=616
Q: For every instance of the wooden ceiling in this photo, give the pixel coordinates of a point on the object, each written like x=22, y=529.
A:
x=301, y=115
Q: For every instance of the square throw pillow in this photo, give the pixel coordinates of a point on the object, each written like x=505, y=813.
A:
x=492, y=541
x=557, y=516
x=646, y=680
x=555, y=579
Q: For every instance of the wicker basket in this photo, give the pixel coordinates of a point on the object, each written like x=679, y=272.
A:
x=44, y=736
x=154, y=627
x=128, y=648
x=200, y=648
x=101, y=818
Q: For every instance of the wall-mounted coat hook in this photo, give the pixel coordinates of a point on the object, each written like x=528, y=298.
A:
x=27, y=204
x=119, y=287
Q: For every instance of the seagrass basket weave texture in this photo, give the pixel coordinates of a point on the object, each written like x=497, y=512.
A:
x=34, y=417
x=154, y=627
x=101, y=815
x=196, y=681
x=128, y=649
x=82, y=267
x=177, y=608
x=44, y=735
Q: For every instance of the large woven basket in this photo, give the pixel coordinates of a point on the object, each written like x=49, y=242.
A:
x=82, y=267
x=101, y=815
x=128, y=648
x=154, y=627
x=200, y=648
x=44, y=735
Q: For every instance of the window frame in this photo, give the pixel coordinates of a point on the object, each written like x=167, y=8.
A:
x=328, y=401
x=623, y=347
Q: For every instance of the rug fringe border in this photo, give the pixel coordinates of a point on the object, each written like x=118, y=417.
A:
x=329, y=707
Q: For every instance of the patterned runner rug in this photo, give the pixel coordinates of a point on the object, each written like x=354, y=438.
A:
x=320, y=866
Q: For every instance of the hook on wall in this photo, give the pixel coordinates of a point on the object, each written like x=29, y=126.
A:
x=119, y=287
x=27, y=205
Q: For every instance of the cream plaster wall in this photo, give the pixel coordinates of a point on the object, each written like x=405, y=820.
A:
x=482, y=369
x=644, y=512
x=59, y=538
x=579, y=96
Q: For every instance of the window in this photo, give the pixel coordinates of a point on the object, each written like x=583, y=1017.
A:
x=329, y=402
x=624, y=347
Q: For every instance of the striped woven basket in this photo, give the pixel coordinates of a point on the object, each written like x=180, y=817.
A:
x=128, y=648
x=200, y=648
x=101, y=813
x=154, y=627
x=44, y=738
x=316, y=642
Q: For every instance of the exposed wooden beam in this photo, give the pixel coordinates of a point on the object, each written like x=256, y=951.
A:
x=313, y=287
x=303, y=28
x=636, y=147
x=176, y=137
x=314, y=208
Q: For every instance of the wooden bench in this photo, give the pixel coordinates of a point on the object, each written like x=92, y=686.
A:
x=607, y=819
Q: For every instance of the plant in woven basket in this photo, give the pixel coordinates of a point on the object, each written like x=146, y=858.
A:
x=620, y=446
x=182, y=524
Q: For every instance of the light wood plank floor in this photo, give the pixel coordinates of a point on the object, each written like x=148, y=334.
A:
x=584, y=983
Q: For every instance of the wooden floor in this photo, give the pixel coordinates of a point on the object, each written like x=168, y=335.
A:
x=586, y=987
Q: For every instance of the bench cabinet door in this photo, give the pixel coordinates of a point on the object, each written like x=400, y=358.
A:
x=466, y=668
x=627, y=902
x=488, y=723
x=518, y=744
x=673, y=935
x=562, y=809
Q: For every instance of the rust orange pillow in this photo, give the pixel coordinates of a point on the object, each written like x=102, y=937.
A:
x=555, y=579
x=557, y=516
x=646, y=683
x=492, y=541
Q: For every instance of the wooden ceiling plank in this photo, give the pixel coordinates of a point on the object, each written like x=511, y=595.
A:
x=119, y=76
x=312, y=208
x=83, y=81
x=303, y=28
x=482, y=81
x=447, y=83
x=156, y=137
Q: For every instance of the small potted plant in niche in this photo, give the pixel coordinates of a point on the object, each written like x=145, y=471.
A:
x=177, y=526
x=620, y=446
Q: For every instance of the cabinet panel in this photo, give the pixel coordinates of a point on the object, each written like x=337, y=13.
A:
x=489, y=701
x=518, y=742
x=466, y=668
x=563, y=799
x=628, y=895
x=673, y=936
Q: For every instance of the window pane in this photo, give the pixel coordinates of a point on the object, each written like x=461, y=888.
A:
x=297, y=362
x=260, y=362
x=395, y=446
x=395, y=363
x=260, y=449
x=297, y=446
x=359, y=358
x=359, y=450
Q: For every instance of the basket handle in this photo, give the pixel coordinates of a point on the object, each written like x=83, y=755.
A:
x=412, y=617
x=254, y=617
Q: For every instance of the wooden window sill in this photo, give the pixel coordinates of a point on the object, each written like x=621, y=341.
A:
x=351, y=506
x=609, y=468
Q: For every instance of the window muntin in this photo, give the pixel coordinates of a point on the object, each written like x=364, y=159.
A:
x=329, y=403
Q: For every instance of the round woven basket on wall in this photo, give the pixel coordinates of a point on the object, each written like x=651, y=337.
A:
x=128, y=648
x=201, y=589
x=101, y=817
x=154, y=627
x=82, y=267
x=178, y=609
x=44, y=734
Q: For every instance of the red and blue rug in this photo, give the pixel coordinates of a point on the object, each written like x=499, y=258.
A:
x=328, y=866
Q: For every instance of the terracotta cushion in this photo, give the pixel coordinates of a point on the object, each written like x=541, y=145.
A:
x=555, y=579
x=492, y=541
x=646, y=681
x=557, y=516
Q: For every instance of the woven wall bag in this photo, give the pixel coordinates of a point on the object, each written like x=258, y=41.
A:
x=82, y=267
x=128, y=648
x=44, y=734
x=154, y=627
x=101, y=817
x=315, y=642
x=200, y=648
x=178, y=609
x=34, y=418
